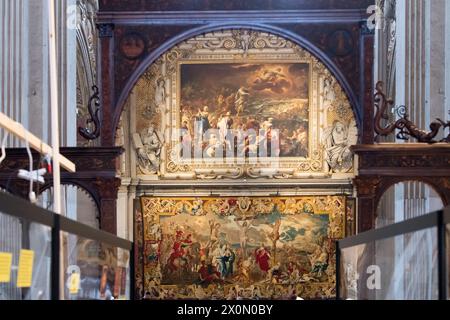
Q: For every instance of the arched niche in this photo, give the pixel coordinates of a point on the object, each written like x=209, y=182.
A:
x=257, y=79
x=410, y=258
x=405, y=200
x=77, y=204
x=251, y=26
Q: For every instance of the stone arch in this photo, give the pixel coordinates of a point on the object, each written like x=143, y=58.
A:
x=325, y=99
x=288, y=35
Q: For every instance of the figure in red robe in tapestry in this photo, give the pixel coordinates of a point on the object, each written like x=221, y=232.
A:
x=179, y=251
x=208, y=273
x=262, y=257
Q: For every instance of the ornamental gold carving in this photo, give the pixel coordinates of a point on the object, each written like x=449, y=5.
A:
x=245, y=104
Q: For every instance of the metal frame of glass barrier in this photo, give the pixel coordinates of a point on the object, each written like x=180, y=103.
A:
x=23, y=209
x=439, y=220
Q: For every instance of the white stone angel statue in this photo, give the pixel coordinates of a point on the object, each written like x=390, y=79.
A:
x=160, y=93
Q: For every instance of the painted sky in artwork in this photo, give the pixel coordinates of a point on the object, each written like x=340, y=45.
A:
x=252, y=96
x=303, y=231
x=289, y=80
x=300, y=236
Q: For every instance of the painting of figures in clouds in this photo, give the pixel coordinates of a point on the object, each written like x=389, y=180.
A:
x=227, y=98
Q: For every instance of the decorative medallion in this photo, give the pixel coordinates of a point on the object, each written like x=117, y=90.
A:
x=132, y=46
x=340, y=43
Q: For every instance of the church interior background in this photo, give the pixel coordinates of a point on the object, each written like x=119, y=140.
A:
x=234, y=142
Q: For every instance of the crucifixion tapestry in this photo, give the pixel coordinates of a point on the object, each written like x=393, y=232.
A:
x=248, y=247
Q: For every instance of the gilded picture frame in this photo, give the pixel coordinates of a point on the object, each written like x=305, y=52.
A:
x=157, y=103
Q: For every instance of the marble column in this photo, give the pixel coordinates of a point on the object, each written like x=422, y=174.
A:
x=122, y=209
x=67, y=63
x=386, y=54
x=447, y=60
x=420, y=79
x=14, y=50
x=436, y=53
x=410, y=59
x=24, y=67
x=420, y=76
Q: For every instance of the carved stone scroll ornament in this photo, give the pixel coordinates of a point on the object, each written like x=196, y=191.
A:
x=94, y=121
x=405, y=126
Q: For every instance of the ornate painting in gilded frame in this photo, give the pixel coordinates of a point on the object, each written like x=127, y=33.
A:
x=248, y=247
x=223, y=98
x=232, y=82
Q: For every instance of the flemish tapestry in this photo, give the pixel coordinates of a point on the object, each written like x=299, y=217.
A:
x=247, y=247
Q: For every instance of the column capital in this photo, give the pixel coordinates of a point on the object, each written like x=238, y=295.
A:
x=365, y=28
x=105, y=30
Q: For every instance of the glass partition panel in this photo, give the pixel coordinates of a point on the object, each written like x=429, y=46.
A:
x=30, y=244
x=398, y=268
x=352, y=263
x=94, y=270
